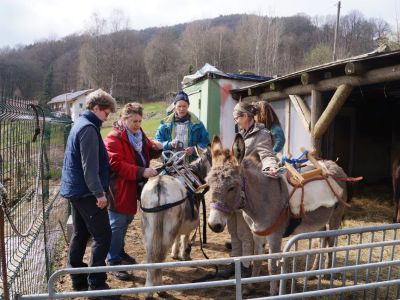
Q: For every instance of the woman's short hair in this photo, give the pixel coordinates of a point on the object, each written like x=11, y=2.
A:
x=102, y=99
x=131, y=109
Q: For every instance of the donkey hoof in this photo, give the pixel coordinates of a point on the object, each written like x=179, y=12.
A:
x=247, y=291
x=186, y=257
x=163, y=294
x=176, y=257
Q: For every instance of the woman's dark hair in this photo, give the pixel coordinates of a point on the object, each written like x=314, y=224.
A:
x=266, y=114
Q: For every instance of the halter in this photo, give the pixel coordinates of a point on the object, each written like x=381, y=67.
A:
x=239, y=201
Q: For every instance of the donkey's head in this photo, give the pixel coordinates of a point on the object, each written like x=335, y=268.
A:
x=225, y=182
x=202, y=165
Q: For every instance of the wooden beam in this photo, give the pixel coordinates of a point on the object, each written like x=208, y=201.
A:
x=354, y=68
x=251, y=99
x=334, y=105
x=302, y=111
x=275, y=86
x=391, y=73
x=287, y=126
x=308, y=78
x=316, y=110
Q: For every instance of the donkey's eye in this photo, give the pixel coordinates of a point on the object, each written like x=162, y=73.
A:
x=231, y=189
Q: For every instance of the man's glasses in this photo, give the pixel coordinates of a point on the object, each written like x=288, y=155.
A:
x=106, y=113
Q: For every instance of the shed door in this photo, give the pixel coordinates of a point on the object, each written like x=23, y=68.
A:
x=195, y=104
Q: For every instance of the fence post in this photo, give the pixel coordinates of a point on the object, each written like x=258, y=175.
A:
x=6, y=294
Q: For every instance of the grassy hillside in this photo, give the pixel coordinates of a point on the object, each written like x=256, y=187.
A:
x=154, y=112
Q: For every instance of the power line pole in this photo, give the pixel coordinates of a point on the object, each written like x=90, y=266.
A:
x=336, y=31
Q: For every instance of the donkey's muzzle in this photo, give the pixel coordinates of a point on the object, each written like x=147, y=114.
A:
x=218, y=228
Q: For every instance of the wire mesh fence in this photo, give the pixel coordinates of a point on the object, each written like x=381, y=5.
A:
x=31, y=154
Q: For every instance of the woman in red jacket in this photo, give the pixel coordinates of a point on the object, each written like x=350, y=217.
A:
x=129, y=152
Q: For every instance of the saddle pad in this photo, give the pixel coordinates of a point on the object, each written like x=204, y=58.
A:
x=317, y=194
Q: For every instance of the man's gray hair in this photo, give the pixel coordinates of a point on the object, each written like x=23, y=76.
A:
x=102, y=99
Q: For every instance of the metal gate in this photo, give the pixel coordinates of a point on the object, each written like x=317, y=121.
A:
x=366, y=265
x=359, y=256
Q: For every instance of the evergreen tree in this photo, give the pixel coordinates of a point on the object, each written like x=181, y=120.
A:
x=47, y=88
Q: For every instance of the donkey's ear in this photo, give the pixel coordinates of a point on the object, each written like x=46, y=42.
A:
x=238, y=148
x=216, y=144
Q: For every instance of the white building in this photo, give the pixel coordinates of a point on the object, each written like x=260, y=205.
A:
x=72, y=104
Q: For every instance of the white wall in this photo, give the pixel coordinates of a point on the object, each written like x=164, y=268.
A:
x=227, y=124
x=78, y=107
x=298, y=135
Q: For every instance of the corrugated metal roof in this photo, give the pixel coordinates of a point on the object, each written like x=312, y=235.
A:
x=67, y=97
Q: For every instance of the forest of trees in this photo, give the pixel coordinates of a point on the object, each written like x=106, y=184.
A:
x=149, y=64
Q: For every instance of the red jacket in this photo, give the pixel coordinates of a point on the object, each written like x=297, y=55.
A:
x=126, y=174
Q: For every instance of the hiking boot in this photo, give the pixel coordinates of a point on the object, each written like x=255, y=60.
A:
x=246, y=271
x=80, y=286
x=228, y=245
x=228, y=272
x=102, y=287
x=126, y=259
x=121, y=275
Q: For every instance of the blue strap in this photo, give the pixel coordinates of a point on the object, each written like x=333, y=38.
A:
x=295, y=161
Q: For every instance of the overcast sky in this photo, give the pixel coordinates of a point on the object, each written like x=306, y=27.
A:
x=27, y=21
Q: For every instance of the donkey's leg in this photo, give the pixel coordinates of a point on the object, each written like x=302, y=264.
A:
x=258, y=249
x=150, y=257
x=274, y=242
x=322, y=244
x=185, y=248
x=175, y=248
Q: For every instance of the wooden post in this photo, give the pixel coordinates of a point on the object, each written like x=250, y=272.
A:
x=3, y=256
x=302, y=111
x=316, y=109
x=287, y=126
x=334, y=105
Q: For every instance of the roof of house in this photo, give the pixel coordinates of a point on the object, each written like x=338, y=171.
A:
x=68, y=97
x=209, y=71
x=376, y=59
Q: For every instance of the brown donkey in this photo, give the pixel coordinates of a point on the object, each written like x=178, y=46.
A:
x=237, y=183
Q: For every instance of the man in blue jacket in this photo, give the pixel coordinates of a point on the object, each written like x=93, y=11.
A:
x=182, y=129
x=84, y=182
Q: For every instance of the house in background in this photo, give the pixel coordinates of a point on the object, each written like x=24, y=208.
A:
x=71, y=104
x=209, y=91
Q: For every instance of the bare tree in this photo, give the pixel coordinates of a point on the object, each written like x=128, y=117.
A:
x=162, y=63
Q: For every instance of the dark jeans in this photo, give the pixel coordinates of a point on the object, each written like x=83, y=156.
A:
x=89, y=220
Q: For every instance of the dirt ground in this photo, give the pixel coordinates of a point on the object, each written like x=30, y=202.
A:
x=373, y=210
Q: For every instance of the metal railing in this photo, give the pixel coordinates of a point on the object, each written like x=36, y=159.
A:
x=363, y=286
x=358, y=246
